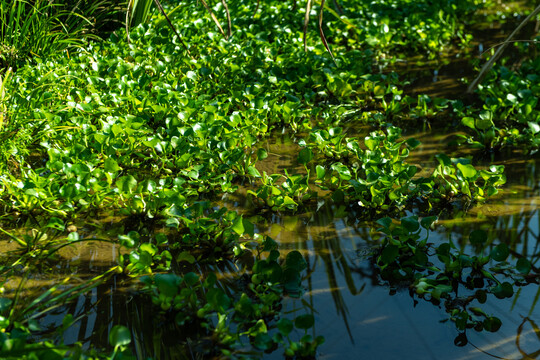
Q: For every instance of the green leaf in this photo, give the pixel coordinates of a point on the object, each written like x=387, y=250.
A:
x=342, y=170
x=389, y=254
x=468, y=171
x=119, y=336
x=371, y=143
x=285, y=326
x=535, y=127
x=271, y=271
x=385, y=222
x=253, y=172
x=263, y=341
x=492, y=324
x=427, y=221
x=321, y=172
x=468, y=121
x=410, y=223
x=111, y=165
x=149, y=248
x=481, y=296
x=288, y=202
x=130, y=239
x=500, y=252
x=504, y=290
x=191, y=278
x=5, y=304
x=186, y=256
x=443, y=159
x=304, y=321
x=413, y=143
x=484, y=121
x=523, y=266
x=262, y=154
x=168, y=284
x=238, y=225
x=218, y=299
x=55, y=223
x=249, y=228
x=126, y=184
x=305, y=156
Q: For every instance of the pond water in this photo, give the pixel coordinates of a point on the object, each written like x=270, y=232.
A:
x=360, y=317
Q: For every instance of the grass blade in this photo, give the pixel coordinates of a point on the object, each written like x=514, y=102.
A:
x=321, y=32
x=487, y=66
x=256, y=8
x=306, y=22
x=158, y=4
x=338, y=7
x=229, y=23
x=213, y=17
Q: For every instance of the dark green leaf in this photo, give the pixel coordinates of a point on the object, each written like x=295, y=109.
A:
x=168, y=284
x=238, y=225
x=285, y=326
x=500, y=252
x=119, y=336
x=389, y=254
x=523, y=266
x=304, y=321
x=410, y=223
x=305, y=156
x=478, y=237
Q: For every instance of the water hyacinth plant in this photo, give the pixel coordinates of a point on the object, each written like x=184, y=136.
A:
x=166, y=146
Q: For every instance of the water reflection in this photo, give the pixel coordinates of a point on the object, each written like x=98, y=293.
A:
x=359, y=318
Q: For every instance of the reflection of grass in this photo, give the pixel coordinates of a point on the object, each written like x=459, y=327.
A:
x=327, y=247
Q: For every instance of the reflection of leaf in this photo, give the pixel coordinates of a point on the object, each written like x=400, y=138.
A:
x=478, y=237
x=536, y=297
x=295, y=260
